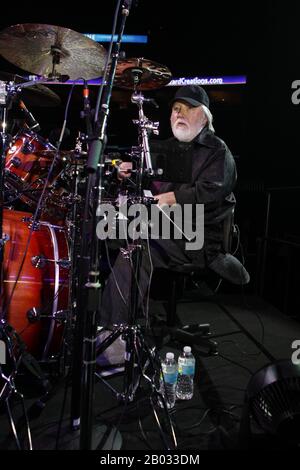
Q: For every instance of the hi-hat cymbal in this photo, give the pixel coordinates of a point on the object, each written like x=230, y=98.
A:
x=35, y=95
x=33, y=46
x=141, y=74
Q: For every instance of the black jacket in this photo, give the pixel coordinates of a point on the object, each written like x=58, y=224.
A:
x=213, y=179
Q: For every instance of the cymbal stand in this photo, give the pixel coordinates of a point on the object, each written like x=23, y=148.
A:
x=136, y=346
x=135, y=250
x=57, y=53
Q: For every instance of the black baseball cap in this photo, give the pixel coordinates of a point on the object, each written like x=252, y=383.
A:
x=192, y=94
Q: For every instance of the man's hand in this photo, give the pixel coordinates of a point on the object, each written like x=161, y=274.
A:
x=165, y=198
x=124, y=170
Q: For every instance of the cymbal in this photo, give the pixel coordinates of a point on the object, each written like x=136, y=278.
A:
x=35, y=95
x=32, y=48
x=145, y=74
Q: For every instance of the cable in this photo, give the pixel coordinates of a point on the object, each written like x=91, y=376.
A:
x=62, y=411
x=106, y=68
x=144, y=435
x=197, y=424
x=119, y=422
x=135, y=277
x=236, y=363
x=237, y=229
x=245, y=353
x=113, y=273
x=150, y=281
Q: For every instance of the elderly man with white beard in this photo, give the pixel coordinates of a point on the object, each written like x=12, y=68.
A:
x=212, y=181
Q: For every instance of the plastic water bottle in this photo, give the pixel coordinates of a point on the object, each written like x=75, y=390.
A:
x=186, y=372
x=168, y=380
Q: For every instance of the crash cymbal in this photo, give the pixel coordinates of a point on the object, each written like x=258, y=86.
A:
x=141, y=74
x=33, y=47
x=35, y=95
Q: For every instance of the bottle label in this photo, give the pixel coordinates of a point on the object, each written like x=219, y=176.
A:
x=170, y=378
x=186, y=370
x=186, y=366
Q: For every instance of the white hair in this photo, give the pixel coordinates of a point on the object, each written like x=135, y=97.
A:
x=209, y=117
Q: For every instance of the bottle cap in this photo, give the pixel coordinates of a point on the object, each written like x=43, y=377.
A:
x=170, y=355
x=187, y=349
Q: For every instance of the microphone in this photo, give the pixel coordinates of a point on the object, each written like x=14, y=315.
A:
x=86, y=113
x=30, y=121
x=86, y=100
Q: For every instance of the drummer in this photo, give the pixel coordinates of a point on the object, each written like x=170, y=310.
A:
x=214, y=176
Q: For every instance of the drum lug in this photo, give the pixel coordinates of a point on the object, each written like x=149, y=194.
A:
x=39, y=261
x=64, y=263
x=34, y=314
x=61, y=315
x=28, y=148
x=4, y=239
x=16, y=162
x=29, y=220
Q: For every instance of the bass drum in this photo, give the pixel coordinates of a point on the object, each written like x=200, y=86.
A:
x=38, y=308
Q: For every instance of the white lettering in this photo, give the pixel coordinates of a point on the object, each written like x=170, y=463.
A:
x=296, y=94
x=296, y=354
x=188, y=228
x=2, y=352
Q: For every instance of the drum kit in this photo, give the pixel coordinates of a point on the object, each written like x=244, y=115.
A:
x=41, y=203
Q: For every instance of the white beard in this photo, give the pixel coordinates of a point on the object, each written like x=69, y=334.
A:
x=184, y=134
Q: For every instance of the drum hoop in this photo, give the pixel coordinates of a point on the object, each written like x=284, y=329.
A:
x=56, y=258
x=33, y=135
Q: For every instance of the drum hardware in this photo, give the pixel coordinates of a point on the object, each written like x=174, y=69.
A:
x=34, y=315
x=8, y=388
x=4, y=239
x=27, y=148
x=36, y=95
x=40, y=262
x=29, y=220
x=16, y=162
x=141, y=74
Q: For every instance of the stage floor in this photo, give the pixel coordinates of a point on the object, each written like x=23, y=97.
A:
x=211, y=419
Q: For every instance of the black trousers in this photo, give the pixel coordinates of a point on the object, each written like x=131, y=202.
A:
x=116, y=294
